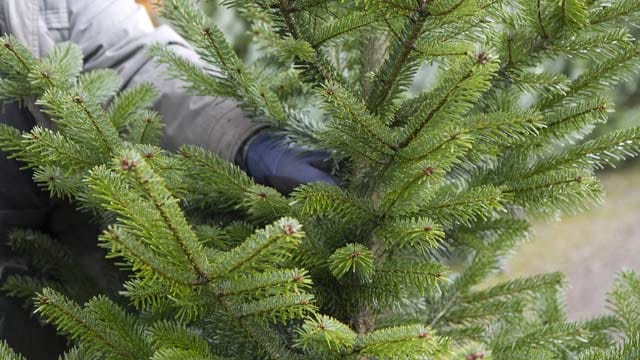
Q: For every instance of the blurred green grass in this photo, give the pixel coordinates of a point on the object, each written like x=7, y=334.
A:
x=589, y=248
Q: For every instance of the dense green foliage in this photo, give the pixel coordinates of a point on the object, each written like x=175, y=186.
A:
x=439, y=187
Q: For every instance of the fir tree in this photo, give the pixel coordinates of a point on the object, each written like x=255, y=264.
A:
x=439, y=186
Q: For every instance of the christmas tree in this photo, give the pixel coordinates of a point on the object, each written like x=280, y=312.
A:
x=438, y=184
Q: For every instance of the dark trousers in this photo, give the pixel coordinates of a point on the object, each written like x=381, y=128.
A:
x=24, y=205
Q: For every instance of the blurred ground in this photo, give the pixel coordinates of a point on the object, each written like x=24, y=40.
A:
x=591, y=248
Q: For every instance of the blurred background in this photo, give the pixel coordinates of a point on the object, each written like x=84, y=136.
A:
x=589, y=248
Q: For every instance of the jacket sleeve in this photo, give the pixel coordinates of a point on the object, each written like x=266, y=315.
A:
x=114, y=34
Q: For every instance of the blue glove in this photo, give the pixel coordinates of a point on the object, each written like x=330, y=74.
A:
x=273, y=161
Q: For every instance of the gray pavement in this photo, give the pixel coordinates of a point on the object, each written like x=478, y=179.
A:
x=589, y=248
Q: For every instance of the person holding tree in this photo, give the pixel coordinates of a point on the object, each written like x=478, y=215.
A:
x=114, y=34
x=438, y=186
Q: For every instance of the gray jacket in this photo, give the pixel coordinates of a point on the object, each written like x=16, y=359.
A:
x=113, y=34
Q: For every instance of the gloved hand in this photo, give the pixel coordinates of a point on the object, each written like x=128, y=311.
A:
x=274, y=161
